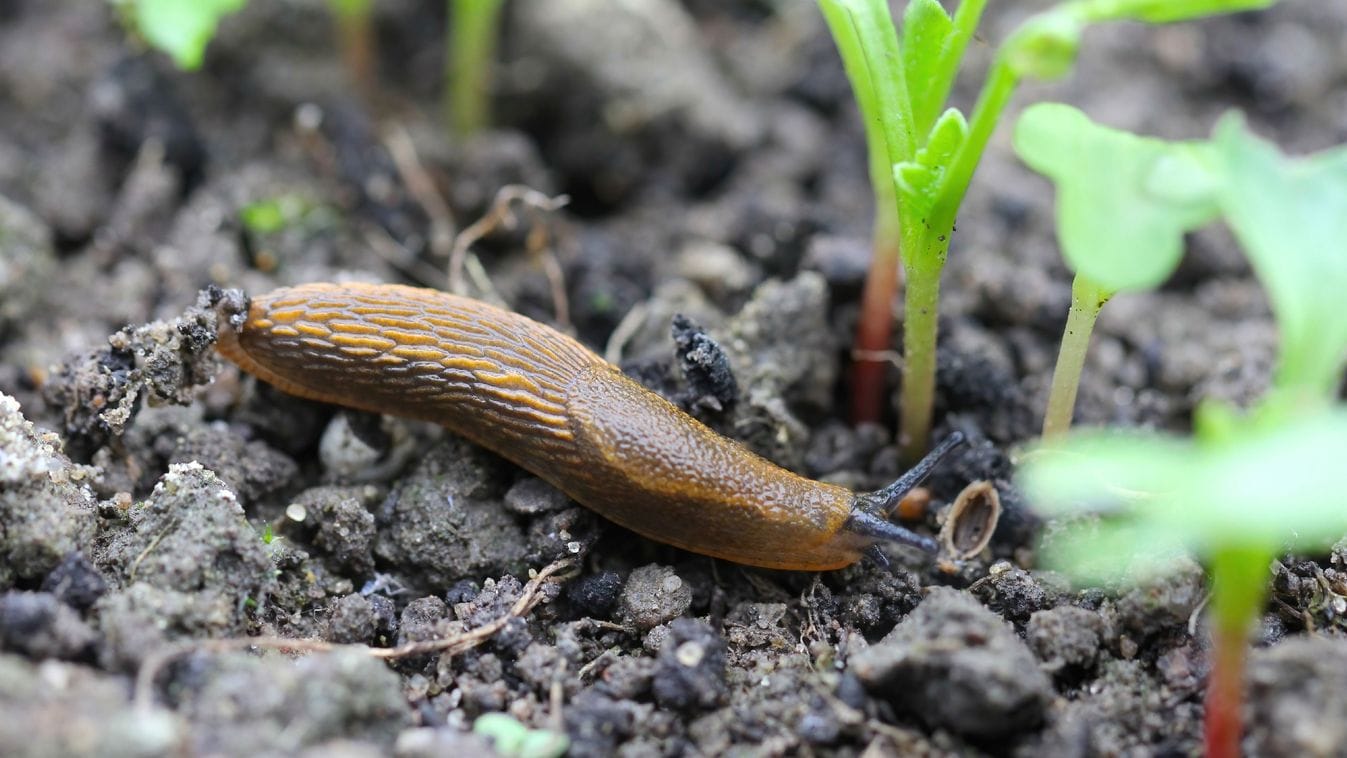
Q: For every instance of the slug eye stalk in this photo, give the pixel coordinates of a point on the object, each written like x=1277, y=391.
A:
x=869, y=514
x=885, y=500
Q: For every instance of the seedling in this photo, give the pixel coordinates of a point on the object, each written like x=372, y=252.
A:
x=180, y=28
x=514, y=740
x=923, y=154
x=1123, y=206
x=355, y=35
x=474, y=26
x=1246, y=486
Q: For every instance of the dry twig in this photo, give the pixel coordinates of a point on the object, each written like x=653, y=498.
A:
x=531, y=596
x=501, y=215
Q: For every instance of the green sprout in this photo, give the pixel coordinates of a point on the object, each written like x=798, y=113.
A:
x=1123, y=205
x=474, y=26
x=180, y=28
x=274, y=214
x=514, y=740
x=355, y=36
x=923, y=155
x=1250, y=484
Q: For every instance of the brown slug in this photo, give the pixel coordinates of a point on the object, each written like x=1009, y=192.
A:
x=549, y=404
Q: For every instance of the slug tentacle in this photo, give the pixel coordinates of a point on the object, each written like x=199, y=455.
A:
x=544, y=401
x=884, y=501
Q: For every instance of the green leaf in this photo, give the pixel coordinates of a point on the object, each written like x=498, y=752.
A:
x=868, y=43
x=1104, y=471
x=511, y=738
x=1291, y=218
x=1045, y=46
x=274, y=214
x=1167, y=11
x=1266, y=487
x=505, y=731
x=351, y=8
x=927, y=31
x=182, y=28
x=1123, y=201
x=1097, y=552
x=919, y=179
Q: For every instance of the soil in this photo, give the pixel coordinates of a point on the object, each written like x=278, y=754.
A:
x=156, y=505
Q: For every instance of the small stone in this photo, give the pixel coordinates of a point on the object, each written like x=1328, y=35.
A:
x=1065, y=637
x=957, y=665
x=653, y=595
x=690, y=672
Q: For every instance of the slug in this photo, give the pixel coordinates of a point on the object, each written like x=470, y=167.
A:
x=544, y=401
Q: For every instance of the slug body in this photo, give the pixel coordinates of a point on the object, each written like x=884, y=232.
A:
x=546, y=402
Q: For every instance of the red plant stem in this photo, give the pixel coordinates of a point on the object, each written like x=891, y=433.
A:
x=874, y=335
x=1223, y=725
x=1239, y=584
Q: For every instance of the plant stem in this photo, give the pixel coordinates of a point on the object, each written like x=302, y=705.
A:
x=1087, y=298
x=868, y=44
x=874, y=328
x=925, y=259
x=355, y=36
x=1239, y=583
x=920, y=325
x=473, y=28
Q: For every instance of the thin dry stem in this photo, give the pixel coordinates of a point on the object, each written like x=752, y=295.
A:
x=499, y=215
x=531, y=596
x=422, y=188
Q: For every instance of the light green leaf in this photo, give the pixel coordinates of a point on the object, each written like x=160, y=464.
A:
x=182, y=28
x=1291, y=218
x=351, y=8
x=919, y=179
x=1123, y=201
x=1045, y=47
x=1166, y=11
x=511, y=738
x=1274, y=485
x=1268, y=486
x=1097, y=552
x=927, y=30
x=1104, y=471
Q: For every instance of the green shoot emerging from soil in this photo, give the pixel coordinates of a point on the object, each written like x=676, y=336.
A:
x=180, y=28
x=1248, y=484
x=473, y=27
x=923, y=154
x=515, y=740
x=355, y=35
x=1122, y=209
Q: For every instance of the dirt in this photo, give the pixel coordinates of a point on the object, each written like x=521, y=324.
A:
x=156, y=506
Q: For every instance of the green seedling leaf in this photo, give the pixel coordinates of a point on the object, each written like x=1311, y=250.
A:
x=514, y=740
x=1098, y=552
x=351, y=8
x=182, y=28
x=1268, y=486
x=927, y=32
x=1105, y=472
x=274, y=214
x=1124, y=202
x=868, y=44
x=1291, y=218
x=1045, y=47
x=1166, y=11
x=919, y=179
x=505, y=732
